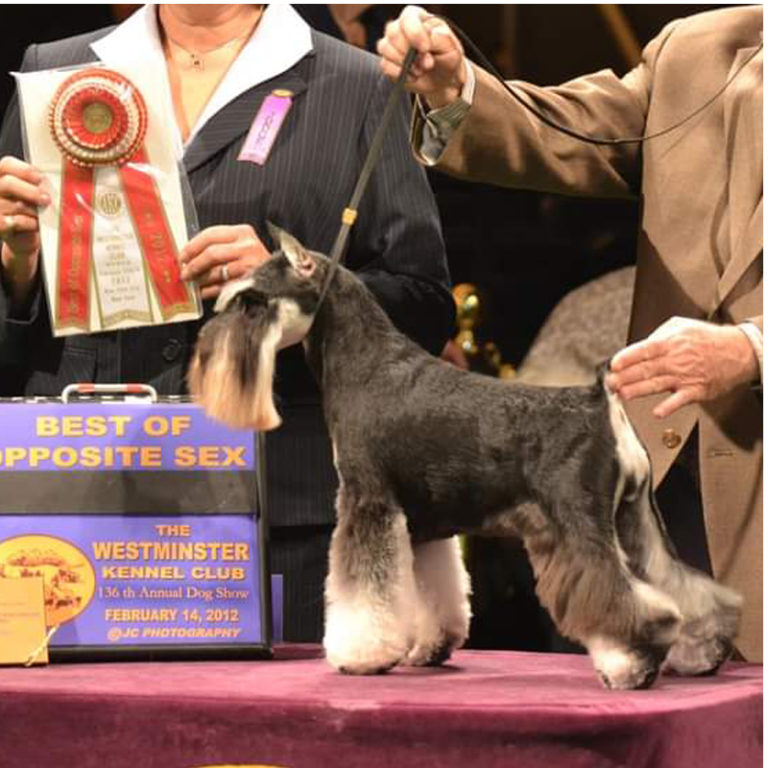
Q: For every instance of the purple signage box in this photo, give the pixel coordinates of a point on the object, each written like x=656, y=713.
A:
x=147, y=523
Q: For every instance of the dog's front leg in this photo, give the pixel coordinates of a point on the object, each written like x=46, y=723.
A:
x=444, y=610
x=370, y=590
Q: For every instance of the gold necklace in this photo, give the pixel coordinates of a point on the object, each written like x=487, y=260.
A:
x=197, y=58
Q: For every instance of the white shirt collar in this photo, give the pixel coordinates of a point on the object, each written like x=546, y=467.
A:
x=282, y=38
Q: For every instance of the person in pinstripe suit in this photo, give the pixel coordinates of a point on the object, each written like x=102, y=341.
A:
x=396, y=246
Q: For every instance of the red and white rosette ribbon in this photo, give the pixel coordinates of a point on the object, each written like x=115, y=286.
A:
x=97, y=117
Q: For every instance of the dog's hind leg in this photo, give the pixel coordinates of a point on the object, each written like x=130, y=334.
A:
x=583, y=581
x=711, y=612
x=443, y=613
x=370, y=591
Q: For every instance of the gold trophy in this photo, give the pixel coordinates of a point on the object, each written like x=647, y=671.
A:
x=482, y=357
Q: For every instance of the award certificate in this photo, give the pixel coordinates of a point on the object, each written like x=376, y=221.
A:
x=111, y=236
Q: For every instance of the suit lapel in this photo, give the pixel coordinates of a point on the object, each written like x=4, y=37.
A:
x=743, y=110
x=232, y=122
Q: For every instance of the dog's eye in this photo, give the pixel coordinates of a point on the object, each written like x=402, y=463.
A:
x=251, y=300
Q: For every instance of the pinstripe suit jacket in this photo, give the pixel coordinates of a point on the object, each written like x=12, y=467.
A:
x=396, y=248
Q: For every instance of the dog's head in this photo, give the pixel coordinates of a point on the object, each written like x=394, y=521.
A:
x=270, y=309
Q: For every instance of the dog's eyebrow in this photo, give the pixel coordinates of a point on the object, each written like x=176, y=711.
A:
x=251, y=296
x=256, y=303
x=281, y=264
x=256, y=296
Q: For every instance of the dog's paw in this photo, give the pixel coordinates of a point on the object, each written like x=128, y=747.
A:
x=429, y=654
x=692, y=655
x=706, y=639
x=363, y=642
x=623, y=668
x=440, y=630
x=368, y=657
x=434, y=650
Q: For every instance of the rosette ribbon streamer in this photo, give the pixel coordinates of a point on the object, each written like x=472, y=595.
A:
x=98, y=118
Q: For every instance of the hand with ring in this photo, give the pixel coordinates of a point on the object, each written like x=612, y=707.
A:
x=219, y=254
x=22, y=191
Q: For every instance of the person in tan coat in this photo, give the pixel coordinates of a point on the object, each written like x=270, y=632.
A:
x=693, y=369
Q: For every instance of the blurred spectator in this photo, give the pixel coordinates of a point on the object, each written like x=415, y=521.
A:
x=360, y=24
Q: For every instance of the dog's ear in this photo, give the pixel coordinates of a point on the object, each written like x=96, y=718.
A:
x=300, y=258
x=275, y=234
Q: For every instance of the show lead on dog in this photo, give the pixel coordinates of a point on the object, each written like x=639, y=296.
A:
x=224, y=67
x=693, y=371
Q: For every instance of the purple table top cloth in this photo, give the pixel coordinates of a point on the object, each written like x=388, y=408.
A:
x=485, y=709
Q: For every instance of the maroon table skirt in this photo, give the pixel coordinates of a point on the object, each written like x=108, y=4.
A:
x=486, y=709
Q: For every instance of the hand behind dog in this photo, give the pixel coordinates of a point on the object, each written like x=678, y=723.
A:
x=694, y=360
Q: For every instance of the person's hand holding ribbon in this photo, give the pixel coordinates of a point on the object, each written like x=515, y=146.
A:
x=219, y=254
x=21, y=191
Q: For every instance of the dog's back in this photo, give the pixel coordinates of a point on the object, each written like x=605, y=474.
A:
x=460, y=449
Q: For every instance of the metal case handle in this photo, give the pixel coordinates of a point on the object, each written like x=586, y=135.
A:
x=108, y=389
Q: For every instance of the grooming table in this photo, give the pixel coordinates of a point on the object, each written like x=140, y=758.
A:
x=486, y=709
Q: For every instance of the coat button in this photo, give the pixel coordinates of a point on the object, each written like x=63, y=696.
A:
x=171, y=350
x=671, y=439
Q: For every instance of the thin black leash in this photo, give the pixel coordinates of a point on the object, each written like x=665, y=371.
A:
x=483, y=59
x=349, y=216
x=336, y=255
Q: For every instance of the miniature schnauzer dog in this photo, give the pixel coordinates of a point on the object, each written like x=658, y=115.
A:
x=425, y=451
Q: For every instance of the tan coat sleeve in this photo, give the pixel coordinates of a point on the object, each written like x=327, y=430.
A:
x=500, y=142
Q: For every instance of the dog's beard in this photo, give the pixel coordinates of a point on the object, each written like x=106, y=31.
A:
x=233, y=367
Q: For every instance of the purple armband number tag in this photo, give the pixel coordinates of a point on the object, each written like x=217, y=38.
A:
x=266, y=126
